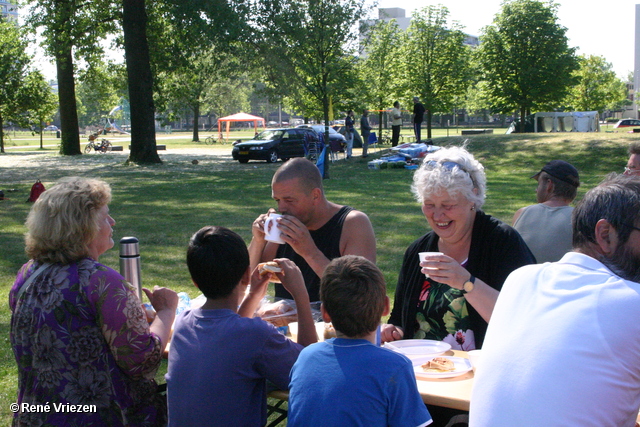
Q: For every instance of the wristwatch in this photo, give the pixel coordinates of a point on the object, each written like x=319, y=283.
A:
x=468, y=285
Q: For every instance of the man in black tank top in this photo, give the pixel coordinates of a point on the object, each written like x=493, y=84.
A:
x=314, y=230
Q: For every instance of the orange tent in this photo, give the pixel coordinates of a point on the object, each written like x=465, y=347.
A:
x=239, y=117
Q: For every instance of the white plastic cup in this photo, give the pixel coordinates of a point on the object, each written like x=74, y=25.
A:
x=271, y=230
x=424, y=255
x=474, y=358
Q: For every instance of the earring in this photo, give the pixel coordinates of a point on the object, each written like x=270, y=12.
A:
x=473, y=208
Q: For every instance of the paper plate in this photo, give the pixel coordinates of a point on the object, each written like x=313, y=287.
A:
x=418, y=348
x=461, y=366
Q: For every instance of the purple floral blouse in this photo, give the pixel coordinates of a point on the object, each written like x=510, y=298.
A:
x=80, y=337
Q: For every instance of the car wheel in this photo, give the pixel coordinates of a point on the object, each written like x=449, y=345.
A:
x=273, y=157
x=243, y=160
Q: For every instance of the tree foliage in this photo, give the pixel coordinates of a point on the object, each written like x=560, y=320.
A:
x=436, y=61
x=309, y=47
x=24, y=94
x=99, y=89
x=210, y=82
x=13, y=69
x=526, y=58
x=379, y=67
x=71, y=29
x=598, y=88
x=39, y=103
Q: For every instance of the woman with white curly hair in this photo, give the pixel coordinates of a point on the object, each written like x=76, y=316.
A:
x=450, y=296
x=81, y=339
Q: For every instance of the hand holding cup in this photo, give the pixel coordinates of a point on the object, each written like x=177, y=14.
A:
x=271, y=230
x=424, y=256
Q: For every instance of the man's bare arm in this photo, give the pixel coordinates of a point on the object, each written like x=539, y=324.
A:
x=358, y=237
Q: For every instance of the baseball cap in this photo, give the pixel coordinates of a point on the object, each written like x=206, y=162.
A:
x=561, y=170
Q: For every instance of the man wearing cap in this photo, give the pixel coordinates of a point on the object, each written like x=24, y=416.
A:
x=546, y=226
x=633, y=164
x=418, y=117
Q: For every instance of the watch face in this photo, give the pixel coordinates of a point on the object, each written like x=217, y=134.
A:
x=468, y=286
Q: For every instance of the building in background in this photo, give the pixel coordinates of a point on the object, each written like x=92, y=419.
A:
x=399, y=14
x=9, y=10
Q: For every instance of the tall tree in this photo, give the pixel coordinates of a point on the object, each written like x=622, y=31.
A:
x=208, y=82
x=38, y=100
x=436, y=63
x=379, y=67
x=14, y=68
x=140, y=81
x=598, y=88
x=71, y=28
x=309, y=47
x=526, y=58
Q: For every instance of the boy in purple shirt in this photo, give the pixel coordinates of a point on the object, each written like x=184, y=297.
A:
x=220, y=361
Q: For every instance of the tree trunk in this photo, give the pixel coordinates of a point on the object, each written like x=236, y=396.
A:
x=140, y=80
x=380, y=115
x=523, y=115
x=41, y=134
x=1, y=134
x=70, y=138
x=196, y=122
x=428, y=124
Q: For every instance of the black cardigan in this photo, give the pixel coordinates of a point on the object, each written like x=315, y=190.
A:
x=496, y=250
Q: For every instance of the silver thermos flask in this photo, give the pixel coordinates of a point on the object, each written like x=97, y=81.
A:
x=130, y=262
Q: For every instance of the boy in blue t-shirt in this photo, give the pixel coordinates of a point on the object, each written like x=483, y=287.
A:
x=348, y=380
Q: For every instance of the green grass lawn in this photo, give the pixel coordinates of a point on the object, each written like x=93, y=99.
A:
x=164, y=204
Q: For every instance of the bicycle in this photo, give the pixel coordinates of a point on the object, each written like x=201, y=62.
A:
x=210, y=140
x=102, y=146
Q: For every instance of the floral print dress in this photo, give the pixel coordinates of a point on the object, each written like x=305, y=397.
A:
x=442, y=315
x=80, y=337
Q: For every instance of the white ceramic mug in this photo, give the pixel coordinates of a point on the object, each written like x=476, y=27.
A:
x=271, y=230
x=424, y=255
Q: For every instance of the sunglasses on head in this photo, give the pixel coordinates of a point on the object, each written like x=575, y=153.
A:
x=449, y=166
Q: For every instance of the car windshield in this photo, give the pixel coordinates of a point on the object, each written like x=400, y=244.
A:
x=321, y=128
x=269, y=135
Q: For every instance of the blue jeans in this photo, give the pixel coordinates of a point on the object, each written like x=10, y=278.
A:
x=417, y=128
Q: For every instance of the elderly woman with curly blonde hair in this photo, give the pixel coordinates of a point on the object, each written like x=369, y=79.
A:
x=79, y=334
x=450, y=296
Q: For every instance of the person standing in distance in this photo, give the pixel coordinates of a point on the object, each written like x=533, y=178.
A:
x=396, y=123
x=418, y=117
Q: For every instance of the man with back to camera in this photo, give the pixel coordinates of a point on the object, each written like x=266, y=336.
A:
x=418, y=117
x=563, y=342
x=314, y=229
x=546, y=227
x=396, y=123
x=633, y=164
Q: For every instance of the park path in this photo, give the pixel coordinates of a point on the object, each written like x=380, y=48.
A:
x=24, y=167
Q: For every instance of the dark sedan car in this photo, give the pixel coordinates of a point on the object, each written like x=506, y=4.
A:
x=319, y=129
x=274, y=144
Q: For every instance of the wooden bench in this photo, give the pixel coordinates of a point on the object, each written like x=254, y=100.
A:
x=158, y=147
x=117, y=148
x=476, y=131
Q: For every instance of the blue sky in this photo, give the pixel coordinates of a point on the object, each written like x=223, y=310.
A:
x=602, y=28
